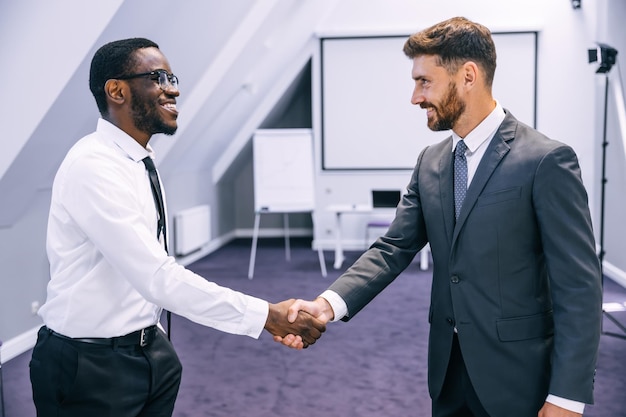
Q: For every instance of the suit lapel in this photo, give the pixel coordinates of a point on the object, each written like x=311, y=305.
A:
x=496, y=151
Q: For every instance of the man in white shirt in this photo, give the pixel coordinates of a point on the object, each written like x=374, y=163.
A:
x=516, y=296
x=102, y=351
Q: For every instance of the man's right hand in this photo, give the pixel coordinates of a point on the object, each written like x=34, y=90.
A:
x=281, y=323
x=318, y=308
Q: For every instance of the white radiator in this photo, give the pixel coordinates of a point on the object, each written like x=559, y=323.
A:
x=192, y=229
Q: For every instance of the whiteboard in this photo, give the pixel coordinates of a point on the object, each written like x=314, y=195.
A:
x=283, y=170
x=368, y=121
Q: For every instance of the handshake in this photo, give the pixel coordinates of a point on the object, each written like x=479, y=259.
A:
x=298, y=323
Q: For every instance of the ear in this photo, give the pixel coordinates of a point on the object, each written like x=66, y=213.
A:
x=470, y=73
x=116, y=91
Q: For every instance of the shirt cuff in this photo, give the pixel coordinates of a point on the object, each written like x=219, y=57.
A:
x=570, y=405
x=257, y=311
x=340, y=309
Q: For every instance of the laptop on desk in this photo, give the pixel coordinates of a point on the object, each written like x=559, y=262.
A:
x=385, y=198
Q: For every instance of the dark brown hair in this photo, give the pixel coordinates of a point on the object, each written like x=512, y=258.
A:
x=454, y=42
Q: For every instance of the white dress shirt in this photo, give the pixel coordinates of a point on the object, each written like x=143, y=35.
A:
x=109, y=275
x=477, y=142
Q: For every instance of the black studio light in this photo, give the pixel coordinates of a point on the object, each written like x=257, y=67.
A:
x=605, y=55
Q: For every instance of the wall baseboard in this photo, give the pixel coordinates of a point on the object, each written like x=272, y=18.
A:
x=274, y=232
x=210, y=247
x=18, y=345
x=614, y=273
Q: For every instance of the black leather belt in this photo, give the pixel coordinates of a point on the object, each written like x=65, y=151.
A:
x=141, y=338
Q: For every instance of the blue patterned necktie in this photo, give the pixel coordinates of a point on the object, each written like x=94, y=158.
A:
x=460, y=177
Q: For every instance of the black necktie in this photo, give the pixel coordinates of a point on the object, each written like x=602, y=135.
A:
x=158, y=202
x=158, y=197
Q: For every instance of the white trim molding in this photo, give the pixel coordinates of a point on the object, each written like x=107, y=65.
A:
x=18, y=345
x=614, y=273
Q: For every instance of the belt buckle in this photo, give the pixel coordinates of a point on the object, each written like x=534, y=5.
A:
x=142, y=338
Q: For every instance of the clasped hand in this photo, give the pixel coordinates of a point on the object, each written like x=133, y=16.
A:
x=299, y=327
x=302, y=314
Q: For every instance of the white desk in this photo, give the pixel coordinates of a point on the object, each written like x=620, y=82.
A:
x=340, y=209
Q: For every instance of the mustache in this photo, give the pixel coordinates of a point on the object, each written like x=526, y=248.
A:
x=426, y=105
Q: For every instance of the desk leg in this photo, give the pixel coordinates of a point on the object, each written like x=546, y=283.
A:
x=255, y=238
x=320, y=255
x=286, y=227
x=338, y=247
x=424, y=255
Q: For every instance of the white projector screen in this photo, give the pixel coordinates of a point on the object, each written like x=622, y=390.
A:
x=368, y=121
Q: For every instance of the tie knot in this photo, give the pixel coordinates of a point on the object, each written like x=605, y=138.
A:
x=149, y=163
x=461, y=147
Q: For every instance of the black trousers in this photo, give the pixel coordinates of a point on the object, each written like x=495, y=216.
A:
x=457, y=398
x=78, y=379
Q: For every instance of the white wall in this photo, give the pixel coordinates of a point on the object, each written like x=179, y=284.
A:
x=52, y=54
x=565, y=83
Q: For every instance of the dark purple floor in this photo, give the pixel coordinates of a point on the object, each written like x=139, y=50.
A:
x=373, y=366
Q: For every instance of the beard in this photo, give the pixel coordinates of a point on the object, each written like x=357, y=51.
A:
x=448, y=112
x=146, y=116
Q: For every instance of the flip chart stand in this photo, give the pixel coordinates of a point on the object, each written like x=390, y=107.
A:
x=283, y=180
x=255, y=239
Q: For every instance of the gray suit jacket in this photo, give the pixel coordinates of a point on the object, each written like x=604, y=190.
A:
x=517, y=274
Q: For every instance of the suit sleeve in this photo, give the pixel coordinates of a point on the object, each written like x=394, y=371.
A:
x=388, y=256
x=562, y=212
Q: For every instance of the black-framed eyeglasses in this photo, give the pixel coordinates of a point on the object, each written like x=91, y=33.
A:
x=164, y=78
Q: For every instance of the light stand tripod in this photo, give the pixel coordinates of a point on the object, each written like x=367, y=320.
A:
x=606, y=55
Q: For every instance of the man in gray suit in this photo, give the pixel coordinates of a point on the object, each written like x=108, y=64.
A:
x=516, y=296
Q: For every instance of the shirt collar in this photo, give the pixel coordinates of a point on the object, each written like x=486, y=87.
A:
x=485, y=130
x=125, y=142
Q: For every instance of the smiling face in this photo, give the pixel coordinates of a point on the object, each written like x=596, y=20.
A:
x=436, y=91
x=153, y=110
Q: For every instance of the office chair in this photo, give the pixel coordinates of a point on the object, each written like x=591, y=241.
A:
x=381, y=199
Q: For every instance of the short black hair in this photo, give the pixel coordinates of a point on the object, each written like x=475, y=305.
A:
x=113, y=60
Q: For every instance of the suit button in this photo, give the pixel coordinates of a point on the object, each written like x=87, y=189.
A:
x=450, y=321
x=454, y=279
